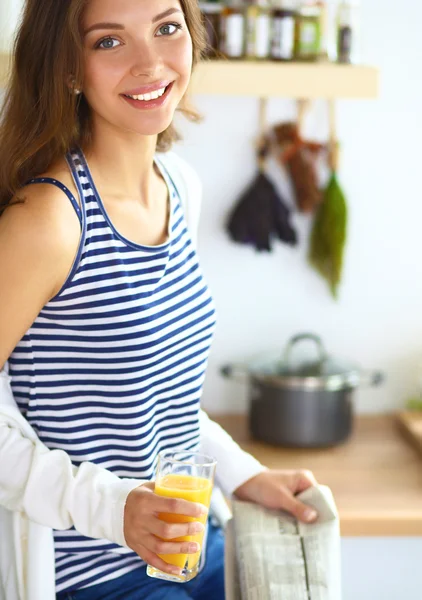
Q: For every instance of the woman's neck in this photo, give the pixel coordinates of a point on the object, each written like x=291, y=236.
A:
x=122, y=164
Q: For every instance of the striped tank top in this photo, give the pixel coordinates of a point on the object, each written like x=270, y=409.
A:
x=111, y=370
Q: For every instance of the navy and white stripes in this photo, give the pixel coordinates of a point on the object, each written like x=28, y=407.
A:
x=112, y=369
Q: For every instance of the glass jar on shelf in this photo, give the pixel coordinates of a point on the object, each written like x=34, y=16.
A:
x=283, y=29
x=211, y=14
x=258, y=29
x=323, y=52
x=348, y=32
x=308, y=32
x=232, y=31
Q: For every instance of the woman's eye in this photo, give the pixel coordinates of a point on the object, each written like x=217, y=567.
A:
x=169, y=28
x=106, y=43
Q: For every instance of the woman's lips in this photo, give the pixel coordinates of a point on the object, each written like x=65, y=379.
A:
x=149, y=104
x=147, y=89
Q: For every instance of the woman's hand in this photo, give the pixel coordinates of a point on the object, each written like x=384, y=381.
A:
x=143, y=529
x=277, y=489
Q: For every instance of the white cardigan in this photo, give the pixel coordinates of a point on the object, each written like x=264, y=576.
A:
x=40, y=489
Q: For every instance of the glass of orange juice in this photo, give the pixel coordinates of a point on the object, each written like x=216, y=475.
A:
x=187, y=475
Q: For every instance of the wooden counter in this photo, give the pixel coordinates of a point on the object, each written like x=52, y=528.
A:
x=376, y=476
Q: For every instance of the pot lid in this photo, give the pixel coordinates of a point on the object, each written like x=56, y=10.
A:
x=293, y=369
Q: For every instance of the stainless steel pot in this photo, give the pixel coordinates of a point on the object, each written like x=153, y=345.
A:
x=301, y=403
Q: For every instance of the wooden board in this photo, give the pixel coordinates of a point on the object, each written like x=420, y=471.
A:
x=376, y=476
x=264, y=79
x=410, y=424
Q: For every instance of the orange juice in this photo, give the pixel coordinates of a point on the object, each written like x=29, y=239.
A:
x=194, y=489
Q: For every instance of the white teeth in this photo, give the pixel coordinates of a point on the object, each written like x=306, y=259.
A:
x=151, y=96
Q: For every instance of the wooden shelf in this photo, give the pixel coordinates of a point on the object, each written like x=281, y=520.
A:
x=265, y=79
x=289, y=80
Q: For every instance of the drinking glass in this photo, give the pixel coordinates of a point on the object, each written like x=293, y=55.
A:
x=187, y=475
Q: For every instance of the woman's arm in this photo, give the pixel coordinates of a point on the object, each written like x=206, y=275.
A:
x=234, y=465
x=48, y=489
x=38, y=242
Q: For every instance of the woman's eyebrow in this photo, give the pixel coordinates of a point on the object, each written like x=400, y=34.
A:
x=162, y=15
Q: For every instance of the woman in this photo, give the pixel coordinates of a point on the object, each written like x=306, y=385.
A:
x=106, y=319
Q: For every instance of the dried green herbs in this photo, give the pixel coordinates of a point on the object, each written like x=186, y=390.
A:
x=328, y=236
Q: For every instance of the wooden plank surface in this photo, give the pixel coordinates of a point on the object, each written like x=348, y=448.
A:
x=288, y=80
x=410, y=425
x=376, y=476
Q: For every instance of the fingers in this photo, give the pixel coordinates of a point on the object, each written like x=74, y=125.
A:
x=307, y=479
x=170, y=531
x=301, y=511
x=157, y=546
x=150, y=536
x=143, y=500
x=161, y=504
x=152, y=547
x=156, y=562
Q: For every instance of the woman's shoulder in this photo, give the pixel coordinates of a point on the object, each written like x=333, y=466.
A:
x=48, y=200
x=59, y=171
x=41, y=217
x=39, y=239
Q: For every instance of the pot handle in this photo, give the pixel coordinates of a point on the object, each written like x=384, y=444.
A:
x=299, y=338
x=371, y=378
x=236, y=372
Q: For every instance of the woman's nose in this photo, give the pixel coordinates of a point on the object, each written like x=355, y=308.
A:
x=145, y=61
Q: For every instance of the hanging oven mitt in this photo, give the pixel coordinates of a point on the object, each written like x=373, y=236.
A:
x=250, y=221
x=260, y=213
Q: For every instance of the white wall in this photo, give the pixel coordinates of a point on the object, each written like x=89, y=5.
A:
x=263, y=299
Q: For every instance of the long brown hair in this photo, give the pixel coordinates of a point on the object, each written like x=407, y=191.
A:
x=41, y=119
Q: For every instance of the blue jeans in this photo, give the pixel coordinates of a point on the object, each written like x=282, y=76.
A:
x=137, y=585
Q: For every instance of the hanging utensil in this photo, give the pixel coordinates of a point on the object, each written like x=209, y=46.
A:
x=328, y=235
x=260, y=214
x=298, y=156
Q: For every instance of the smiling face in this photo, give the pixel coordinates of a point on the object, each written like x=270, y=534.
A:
x=135, y=47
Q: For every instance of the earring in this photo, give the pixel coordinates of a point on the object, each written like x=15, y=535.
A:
x=74, y=89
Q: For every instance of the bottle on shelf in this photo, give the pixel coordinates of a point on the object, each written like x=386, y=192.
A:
x=258, y=29
x=232, y=39
x=323, y=53
x=308, y=32
x=211, y=14
x=283, y=29
x=347, y=32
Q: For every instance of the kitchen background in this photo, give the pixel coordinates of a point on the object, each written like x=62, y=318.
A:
x=263, y=299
